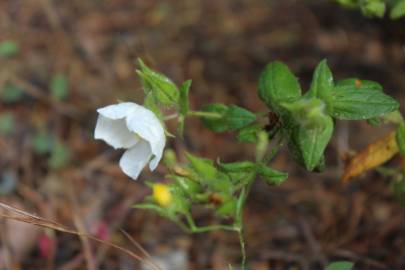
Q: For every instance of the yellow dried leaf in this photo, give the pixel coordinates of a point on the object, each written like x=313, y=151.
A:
x=372, y=156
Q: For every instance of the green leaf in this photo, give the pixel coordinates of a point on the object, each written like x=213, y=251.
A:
x=237, y=117
x=348, y=3
x=157, y=209
x=9, y=48
x=359, y=84
x=179, y=203
x=373, y=8
x=340, y=265
x=11, y=93
x=241, y=166
x=209, y=175
x=60, y=156
x=162, y=88
x=59, y=86
x=400, y=138
x=249, y=133
x=7, y=123
x=218, y=124
x=308, y=145
x=231, y=118
x=398, y=10
x=351, y=103
x=203, y=167
x=322, y=83
x=271, y=176
x=278, y=85
x=375, y=121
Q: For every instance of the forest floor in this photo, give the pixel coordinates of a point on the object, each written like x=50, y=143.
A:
x=76, y=56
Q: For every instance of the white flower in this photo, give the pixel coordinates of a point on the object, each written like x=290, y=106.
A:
x=133, y=127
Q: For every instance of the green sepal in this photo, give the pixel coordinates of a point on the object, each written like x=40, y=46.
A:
x=179, y=203
x=187, y=185
x=163, y=89
x=150, y=102
x=208, y=174
x=202, y=166
x=308, y=112
x=308, y=145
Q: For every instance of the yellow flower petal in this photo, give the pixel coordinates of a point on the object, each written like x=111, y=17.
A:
x=162, y=195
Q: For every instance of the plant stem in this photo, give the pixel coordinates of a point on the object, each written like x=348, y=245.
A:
x=204, y=114
x=195, y=229
x=267, y=158
x=170, y=116
x=242, y=249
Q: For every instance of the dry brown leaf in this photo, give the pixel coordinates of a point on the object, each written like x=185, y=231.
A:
x=372, y=156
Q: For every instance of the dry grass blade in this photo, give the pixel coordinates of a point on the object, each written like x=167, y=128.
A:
x=372, y=156
x=135, y=243
x=39, y=221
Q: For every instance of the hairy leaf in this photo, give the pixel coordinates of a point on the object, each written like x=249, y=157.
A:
x=351, y=103
x=322, y=83
x=231, y=117
x=277, y=85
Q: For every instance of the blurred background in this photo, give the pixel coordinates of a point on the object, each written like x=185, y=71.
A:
x=61, y=60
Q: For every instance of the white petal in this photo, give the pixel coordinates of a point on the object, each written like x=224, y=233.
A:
x=135, y=159
x=118, y=111
x=145, y=123
x=115, y=133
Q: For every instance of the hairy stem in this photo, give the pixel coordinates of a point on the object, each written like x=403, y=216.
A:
x=212, y=115
x=242, y=249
